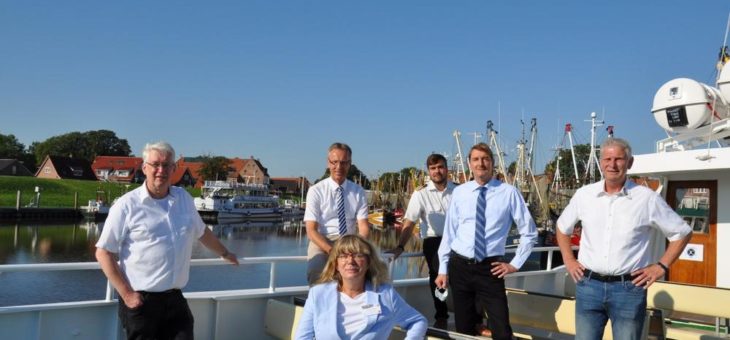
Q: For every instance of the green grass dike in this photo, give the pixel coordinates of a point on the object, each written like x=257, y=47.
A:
x=59, y=193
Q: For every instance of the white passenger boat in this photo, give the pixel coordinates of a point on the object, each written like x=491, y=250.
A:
x=229, y=200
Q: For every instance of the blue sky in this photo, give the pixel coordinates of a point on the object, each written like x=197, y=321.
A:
x=281, y=80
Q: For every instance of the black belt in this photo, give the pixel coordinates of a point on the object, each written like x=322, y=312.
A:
x=169, y=291
x=471, y=260
x=609, y=278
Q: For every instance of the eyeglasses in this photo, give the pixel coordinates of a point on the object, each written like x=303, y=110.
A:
x=163, y=166
x=356, y=256
x=340, y=163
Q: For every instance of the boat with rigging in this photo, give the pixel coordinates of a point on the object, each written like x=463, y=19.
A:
x=692, y=167
x=231, y=200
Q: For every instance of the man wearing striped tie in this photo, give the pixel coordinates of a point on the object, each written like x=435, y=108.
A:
x=472, y=250
x=336, y=206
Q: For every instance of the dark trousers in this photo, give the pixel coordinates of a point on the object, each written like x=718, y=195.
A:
x=163, y=315
x=430, y=252
x=475, y=289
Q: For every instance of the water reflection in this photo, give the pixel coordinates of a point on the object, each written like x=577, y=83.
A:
x=62, y=243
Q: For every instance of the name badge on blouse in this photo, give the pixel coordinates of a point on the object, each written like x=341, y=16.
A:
x=371, y=310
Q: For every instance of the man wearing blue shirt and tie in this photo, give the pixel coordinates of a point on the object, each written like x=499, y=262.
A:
x=472, y=250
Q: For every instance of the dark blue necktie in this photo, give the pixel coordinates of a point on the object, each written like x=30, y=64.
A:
x=480, y=242
x=341, y=211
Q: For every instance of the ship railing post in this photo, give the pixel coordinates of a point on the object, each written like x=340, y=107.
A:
x=272, y=277
x=109, y=291
x=550, y=260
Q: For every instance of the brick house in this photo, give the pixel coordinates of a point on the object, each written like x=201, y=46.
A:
x=290, y=185
x=241, y=170
x=58, y=167
x=251, y=171
x=182, y=177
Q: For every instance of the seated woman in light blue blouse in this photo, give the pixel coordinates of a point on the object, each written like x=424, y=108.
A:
x=353, y=300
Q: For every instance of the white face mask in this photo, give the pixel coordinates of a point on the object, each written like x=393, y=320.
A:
x=441, y=294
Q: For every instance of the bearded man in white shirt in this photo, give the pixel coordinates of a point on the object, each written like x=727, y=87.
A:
x=428, y=205
x=615, y=265
x=151, y=231
x=336, y=206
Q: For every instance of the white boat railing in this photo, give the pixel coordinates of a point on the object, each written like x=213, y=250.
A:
x=272, y=260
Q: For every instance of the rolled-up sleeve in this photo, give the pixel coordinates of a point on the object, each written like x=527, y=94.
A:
x=667, y=220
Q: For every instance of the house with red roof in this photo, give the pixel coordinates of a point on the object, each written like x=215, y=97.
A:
x=241, y=170
x=118, y=169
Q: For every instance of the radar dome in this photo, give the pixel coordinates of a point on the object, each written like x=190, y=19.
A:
x=683, y=104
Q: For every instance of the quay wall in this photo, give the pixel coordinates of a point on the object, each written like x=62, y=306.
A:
x=13, y=214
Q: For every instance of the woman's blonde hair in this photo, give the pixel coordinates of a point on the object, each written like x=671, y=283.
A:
x=354, y=244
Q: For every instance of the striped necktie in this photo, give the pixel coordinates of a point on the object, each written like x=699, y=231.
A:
x=341, y=211
x=480, y=248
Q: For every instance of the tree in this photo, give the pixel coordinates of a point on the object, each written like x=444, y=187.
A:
x=106, y=143
x=10, y=147
x=85, y=145
x=567, y=172
x=215, y=168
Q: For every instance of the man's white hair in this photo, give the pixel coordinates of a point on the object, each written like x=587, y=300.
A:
x=161, y=147
x=621, y=143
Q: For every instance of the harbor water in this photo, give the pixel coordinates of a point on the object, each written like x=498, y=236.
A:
x=64, y=243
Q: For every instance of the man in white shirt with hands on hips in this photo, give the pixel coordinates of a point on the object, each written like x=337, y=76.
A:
x=615, y=265
x=151, y=231
x=428, y=205
x=336, y=206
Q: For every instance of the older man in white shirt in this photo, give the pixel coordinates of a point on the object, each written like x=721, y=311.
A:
x=151, y=231
x=336, y=206
x=615, y=265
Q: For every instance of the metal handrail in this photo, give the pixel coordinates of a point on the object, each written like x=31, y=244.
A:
x=272, y=260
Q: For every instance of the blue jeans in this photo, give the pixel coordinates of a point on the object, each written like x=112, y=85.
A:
x=596, y=302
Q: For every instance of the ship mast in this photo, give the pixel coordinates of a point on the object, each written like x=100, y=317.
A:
x=520, y=181
x=593, y=158
x=567, y=135
x=496, y=150
x=459, y=158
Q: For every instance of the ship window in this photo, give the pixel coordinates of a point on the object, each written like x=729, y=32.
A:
x=693, y=204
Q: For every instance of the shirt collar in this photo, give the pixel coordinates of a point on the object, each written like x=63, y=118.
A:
x=432, y=187
x=474, y=186
x=144, y=194
x=625, y=190
x=334, y=184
